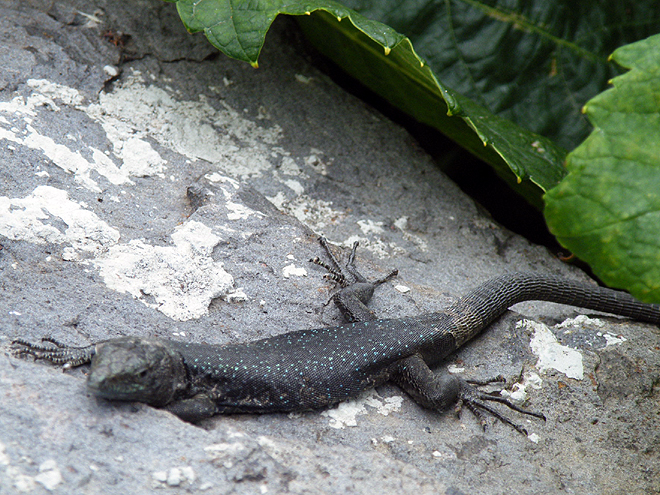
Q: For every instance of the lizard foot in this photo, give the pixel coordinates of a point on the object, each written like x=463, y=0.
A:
x=356, y=291
x=337, y=273
x=53, y=351
x=476, y=402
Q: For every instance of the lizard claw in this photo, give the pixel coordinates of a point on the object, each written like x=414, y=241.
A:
x=475, y=401
x=356, y=290
x=53, y=351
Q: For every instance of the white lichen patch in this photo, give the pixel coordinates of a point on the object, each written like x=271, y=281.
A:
x=376, y=246
x=316, y=161
x=50, y=91
x=288, y=166
x=533, y=437
x=346, y=413
x=551, y=354
x=235, y=296
x=132, y=115
x=4, y=457
x=519, y=394
x=179, y=280
x=293, y=271
x=70, y=161
x=580, y=321
x=238, y=211
x=33, y=219
x=370, y=227
x=455, y=369
x=21, y=482
x=315, y=213
x=135, y=155
x=223, y=179
x=612, y=339
x=295, y=186
x=194, y=129
x=401, y=223
x=279, y=200
x=49, y=475
x=222, y=453
x=174, y=476
x=446, y=456
x=384, y=406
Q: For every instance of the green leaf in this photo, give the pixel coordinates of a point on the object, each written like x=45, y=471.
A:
x=385, y=61
x=534, y=62
x=607, y=209
x=408, y=83
x=237, y=28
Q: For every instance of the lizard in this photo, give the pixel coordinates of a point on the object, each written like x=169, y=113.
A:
x=318, y=368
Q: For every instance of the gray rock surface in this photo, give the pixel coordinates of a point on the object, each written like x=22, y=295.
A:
x=99, y=144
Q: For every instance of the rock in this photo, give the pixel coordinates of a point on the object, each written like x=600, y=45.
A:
x=149, y=188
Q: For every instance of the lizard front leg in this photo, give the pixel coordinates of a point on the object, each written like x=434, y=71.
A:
x=356, y=291
x=53, y=351
x=193, y=409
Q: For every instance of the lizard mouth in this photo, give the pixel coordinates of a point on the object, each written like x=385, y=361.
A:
x=100, y=387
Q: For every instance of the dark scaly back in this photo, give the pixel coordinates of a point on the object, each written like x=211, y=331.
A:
x=304, y=369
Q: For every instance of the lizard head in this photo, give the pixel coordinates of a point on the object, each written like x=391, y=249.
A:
x=136, y=369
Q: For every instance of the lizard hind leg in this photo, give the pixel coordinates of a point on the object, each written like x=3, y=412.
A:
x=442, y=390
